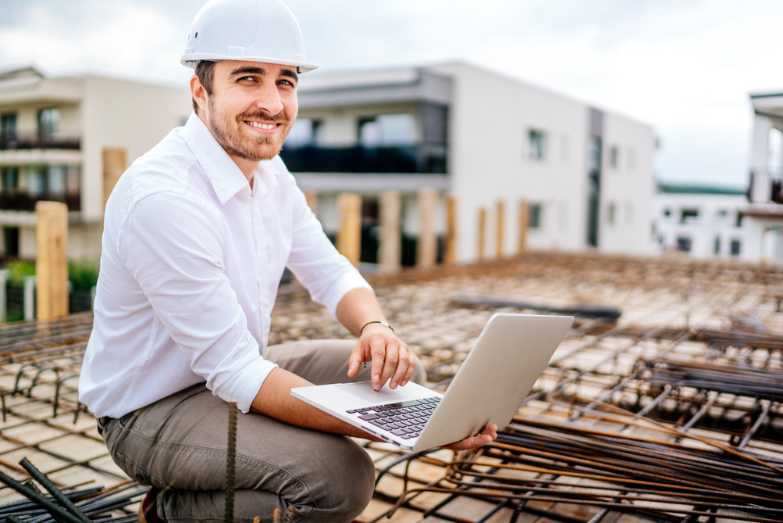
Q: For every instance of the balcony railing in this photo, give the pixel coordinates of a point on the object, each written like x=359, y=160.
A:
x=21, y=201
x=15, y=142
x=422, y=159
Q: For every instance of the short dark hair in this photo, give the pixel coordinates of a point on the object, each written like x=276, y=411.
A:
x=205, y=71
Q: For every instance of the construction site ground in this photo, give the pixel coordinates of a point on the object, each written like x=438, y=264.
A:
x=633, y=420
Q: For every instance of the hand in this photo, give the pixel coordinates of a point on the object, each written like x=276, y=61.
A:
x=487, y=436
x=391, y=358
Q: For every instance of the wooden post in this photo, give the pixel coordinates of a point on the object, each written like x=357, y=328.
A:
x=523, y=219
x=427, y=245
x=312, y=200
x=51, y=264
x=451, y=231
x=349, y=237
x=500, y=228
x=389, y=248
x=115, y=161
x=482, y=233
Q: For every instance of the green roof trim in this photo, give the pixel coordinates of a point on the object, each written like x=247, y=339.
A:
x=694, y=188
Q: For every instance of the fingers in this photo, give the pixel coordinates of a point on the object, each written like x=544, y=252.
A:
x=390, y=364
x=403, y=365
x=487, y=436
x=355, y=360
x=378, y=354
x=409, y=374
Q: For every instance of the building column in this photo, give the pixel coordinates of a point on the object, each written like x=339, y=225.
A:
x=759, y=159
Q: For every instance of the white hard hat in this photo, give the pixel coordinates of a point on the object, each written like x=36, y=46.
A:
x=252, y=30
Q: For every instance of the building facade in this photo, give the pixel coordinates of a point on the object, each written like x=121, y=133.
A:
x=704, y=222
x=764, y=213
x=52, y=132
x=479, y=136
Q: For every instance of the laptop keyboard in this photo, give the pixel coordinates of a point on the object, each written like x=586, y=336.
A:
x=405, y=419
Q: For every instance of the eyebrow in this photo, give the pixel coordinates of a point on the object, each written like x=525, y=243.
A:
x=249, y=69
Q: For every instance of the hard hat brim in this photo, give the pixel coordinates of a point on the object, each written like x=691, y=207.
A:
x=191, y=60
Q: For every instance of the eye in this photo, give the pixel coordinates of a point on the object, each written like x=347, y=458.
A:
x=251, y=79
x=287, y=83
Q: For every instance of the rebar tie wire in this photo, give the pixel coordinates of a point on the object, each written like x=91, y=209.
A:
x=231, y=461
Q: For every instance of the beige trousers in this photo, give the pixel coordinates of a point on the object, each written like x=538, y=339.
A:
x=178, y=444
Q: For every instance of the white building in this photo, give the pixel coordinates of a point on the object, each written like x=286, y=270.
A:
x=52, y=131
x=480, y=136
x=764, y=214
x=705, y=222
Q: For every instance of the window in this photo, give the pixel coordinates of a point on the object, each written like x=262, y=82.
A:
x=36, y=181
x=738, y=222
x=7, y=126
x=535, y=217
x=56, y=182
x=9, y=179
x=387, y=129
x=735, y=247
x=716, y=246
x=667, y=212
x=723, y=213
x=614, y=157
x=11, y=241
x=684, y=244
x=688, y=215
x=304, y=132
x=611, y=213
x=48, y=121
x=536, y=144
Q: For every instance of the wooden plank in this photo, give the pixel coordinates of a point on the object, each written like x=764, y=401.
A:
x=115, y=161
x=500, y=227
x=312, y=200
x=427, y=245
x=389, y=247
x=349, y=236
x=523, y=218
x=451, y=231
x=481, y=224
x=51, y=264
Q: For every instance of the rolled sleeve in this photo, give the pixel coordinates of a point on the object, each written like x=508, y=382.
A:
x=173, y=248
x=326, y=274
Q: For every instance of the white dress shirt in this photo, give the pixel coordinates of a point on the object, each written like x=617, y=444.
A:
x=190, y=263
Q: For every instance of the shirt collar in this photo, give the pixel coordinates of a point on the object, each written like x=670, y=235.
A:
x=224, y=175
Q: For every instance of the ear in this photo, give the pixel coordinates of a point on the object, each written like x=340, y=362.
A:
x=198, y=92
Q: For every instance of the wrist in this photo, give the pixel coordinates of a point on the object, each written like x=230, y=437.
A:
x=373, y=323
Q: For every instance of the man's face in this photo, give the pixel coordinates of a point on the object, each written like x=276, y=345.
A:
x=252, y=107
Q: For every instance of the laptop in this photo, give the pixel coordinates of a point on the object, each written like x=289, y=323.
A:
x=496, y=376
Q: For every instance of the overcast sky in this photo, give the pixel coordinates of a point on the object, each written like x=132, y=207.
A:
x=684, y=66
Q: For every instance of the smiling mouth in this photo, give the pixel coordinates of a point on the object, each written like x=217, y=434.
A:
x=263, y=127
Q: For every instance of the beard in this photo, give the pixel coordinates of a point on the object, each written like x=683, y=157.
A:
x=229, y=134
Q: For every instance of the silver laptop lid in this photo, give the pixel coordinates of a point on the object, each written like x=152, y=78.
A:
x=500, y=370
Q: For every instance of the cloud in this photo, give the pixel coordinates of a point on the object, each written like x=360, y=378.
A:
x=684, y=66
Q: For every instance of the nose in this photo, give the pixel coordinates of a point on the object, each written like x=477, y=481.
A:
x=268, y=99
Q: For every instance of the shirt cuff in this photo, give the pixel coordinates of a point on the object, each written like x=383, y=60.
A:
x=249, y=382
x=347, y=282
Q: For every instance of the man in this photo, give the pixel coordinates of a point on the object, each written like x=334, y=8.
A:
x=197, y=234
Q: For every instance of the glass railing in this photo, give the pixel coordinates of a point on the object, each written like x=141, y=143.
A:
x=419, y=159
x=39, y=142
x=22, y=201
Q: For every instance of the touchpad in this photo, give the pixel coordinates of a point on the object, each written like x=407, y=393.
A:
x=363, y=392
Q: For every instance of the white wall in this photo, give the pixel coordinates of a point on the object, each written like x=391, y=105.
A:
x=121, y=113
x=489, y=159
x=629, y=187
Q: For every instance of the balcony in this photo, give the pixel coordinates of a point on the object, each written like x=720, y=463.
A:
x=22, y=201
x=400, y=159
x=19, y=142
